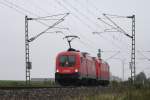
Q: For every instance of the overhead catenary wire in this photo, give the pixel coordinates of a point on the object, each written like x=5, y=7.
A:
x=21, y=8
x=93, y=15
x=104, y=21
x=89, y=47
x=44, y=18
x=27, y=11
x=76, y=17
x=118, y=27
x=113, y=55
x=82, y=14
x=144, y=51
x=75, y=10
x=9, y=6
x=33, y=3
x=115, y=16
x=93, y=5
x=47, y=12
x=109, y=30
x=114, y=27
x=37, y=19
x=84, y=43
x=22, y=11
x=108, y=24
x=143, y=55
x=108, y=40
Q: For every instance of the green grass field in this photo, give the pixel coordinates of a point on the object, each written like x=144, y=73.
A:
x=115, y=92
x=121, y=93
x=13, y=83
x=127, y=94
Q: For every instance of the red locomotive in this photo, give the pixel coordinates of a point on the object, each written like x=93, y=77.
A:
x=74, y=67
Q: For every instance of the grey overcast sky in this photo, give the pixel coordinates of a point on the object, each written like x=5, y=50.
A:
x=82, y=21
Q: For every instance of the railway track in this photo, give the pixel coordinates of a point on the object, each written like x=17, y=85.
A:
x=48, y=93
x=34, y=87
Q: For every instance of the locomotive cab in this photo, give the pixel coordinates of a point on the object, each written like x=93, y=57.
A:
x=67, y=67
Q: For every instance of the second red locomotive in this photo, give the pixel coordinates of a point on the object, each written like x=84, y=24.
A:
x=74, y=67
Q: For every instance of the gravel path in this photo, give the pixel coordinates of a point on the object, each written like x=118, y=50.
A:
x=49, y=93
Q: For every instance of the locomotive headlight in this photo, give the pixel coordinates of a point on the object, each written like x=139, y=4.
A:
x=76, y=70
x=57, y=70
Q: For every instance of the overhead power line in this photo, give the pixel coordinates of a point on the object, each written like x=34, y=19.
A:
x=108, y=40
x=91, y=13
x=113, y=55
x=121, y=30
x=45, y=17
x=28, y=40
x=34, y=3
x=140, y=52
x=82, y=14
x=9, y=6
x=105, y=30
x=76, y=16
x=87, y=43
x=108, y=25
x=21, y=8
x=23, y=11
x=115, y=16
x=118, y=27
x=59, y=21
x=113, y=29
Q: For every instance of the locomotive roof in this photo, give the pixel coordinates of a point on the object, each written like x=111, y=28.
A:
x=84, y=54
x=65, y=52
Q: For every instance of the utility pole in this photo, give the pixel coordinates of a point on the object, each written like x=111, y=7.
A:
x=119, y=29
x=27, y=53
x=132, y=63
x=28, y=63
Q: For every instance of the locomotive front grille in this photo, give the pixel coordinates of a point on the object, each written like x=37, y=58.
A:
x=66, y=76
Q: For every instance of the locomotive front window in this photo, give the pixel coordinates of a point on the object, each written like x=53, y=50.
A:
x=67, y=61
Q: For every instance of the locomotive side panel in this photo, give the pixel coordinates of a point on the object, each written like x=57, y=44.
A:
x=91, y=68
x=104, y=73
x=88, y=67
x=97, y=65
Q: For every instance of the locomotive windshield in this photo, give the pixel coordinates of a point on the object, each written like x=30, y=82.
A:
x=67, y=60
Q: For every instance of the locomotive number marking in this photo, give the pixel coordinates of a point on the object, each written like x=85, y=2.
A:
x=66, y=71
